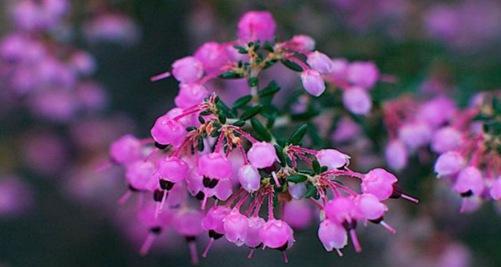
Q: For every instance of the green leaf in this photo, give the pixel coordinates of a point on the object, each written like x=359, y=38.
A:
x=280, y=154
x=311, y=191
x=251, y=112
x=316, y=167
x=292, y=65
x=223, y=109
x=231, y=75
x=239, y=123
x=271, y=89
x=242, y=101
x=297, y=136
x=297, y=178
x=261, y=131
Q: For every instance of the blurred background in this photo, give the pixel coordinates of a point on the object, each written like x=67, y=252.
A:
x=57, y=197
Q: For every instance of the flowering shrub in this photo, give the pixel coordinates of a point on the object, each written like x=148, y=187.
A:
x=233, y=160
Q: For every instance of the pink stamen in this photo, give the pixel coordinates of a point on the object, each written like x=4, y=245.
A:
x=409, y=198
x=145, y=248
x=193, y=252
x=204, y=202
x=251, y=253
x=275, y=178
x=388, y=227
x=160, y=205
x=160, y=76
x=124, y=197
x=270, y=206
x=209, y=245
x=356, y=242
x=339, y=252
x=286, y=258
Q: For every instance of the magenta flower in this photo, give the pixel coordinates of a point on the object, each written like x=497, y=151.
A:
x=256, y=25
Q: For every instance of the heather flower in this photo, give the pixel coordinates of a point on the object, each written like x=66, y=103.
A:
x=249, y=178
x=449, y=163
x=415, y=135
x=172, y=169
x=235, y=227
x=379, y=183
x=256, y=25
x=495, y=190
x=320, y=62
x=333, y=236
x=213, y=56
x=363, y=74
x=167, y=131
x=357, y=100
x=303, y=43
x=140, y=176
x=126, y=149
x=298, y=214
x=313, y=82
x=190, y=95
x=262, y=155
x=396, y=155
x=187, y=69
x=277, y=234
x=214, y=166
x=469, y=181
x=332, y=158
x=446, y=139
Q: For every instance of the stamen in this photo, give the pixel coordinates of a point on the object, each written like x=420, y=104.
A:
x=209, y=245
x=145, y=248
x=339, y=252
x=160, y=76
x=193, y=252
x=354, y=239
x=409, y=198
x=286, y=258
x=124, y=197
x=388, y=227
x=251, y=253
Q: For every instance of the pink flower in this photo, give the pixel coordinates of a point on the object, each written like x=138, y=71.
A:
x=379, y=183
x=214, y=166
x=363, y=74
x=126, y=149
x=302, y=43
x=249, y=178
x=262, y=155
x=313, y=82
x=140, y=175
x=187, y=70
x=256, y=25
x=277, y=234
x=172, y=169
x=235, y=227
x=298, y=214
x=396, y=155
x=469, y=182
x=496, y=189
x=340, y=210
x=332, y=235
x=213, y=56
x=449, y=163
x=446, y=139
x=320, y=62
x=167, y=131
x=415, y=135
x=370, y=207
x=190, y=95
x=254, y=226
x=357, y=100
x=188, y=222
x=213, y=220
x=332, y=158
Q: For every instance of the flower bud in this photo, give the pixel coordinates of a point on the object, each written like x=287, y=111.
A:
x=213, y=220
x=340, y=210
x=313, y=82
x=320, y=62
x=297, y=214
x=303, y=43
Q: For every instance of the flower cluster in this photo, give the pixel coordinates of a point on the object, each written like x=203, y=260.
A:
x=466, y=144
x=231, y=161
x=51, y=76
